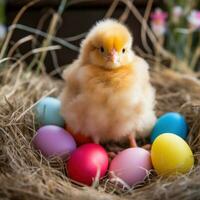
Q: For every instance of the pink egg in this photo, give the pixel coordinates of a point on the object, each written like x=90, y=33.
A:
x=131, y=166
x=52, y=141
x=86, y=162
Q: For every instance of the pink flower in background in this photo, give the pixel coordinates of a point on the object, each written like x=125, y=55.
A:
x=177, y=12
x=158, y=22
x=194, y=19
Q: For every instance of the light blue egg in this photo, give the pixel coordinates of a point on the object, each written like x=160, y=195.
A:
x=48, y=112
x=171, y=122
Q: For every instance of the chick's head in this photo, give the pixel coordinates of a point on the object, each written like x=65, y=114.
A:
x=107, y=45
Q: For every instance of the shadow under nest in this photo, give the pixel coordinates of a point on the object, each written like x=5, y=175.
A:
x=25, y=174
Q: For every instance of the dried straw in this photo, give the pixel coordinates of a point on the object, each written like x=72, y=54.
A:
x=25, y=174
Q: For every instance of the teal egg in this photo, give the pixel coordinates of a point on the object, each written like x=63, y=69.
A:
x=48, y=112
x=171, y=122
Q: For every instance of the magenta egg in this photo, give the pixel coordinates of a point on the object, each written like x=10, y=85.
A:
x=53, y=141
x=87, y=162
x=131, y=166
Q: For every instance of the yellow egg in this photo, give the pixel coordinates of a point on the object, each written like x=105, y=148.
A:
x=170, y=154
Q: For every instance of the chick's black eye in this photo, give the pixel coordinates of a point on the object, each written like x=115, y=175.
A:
x=123, y=50
x=101, y=49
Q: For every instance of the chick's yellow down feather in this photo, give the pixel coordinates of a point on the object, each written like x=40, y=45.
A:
x=107, y=93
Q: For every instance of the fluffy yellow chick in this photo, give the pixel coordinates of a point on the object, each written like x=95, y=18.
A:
x=107, y=94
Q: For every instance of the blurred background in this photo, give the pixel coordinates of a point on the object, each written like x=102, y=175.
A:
x=77, y=18
x=172, y=38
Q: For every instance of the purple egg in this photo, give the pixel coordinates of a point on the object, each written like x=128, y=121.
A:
x=53, y=141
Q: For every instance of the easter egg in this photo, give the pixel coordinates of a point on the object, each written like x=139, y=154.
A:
x=131, y=166
x=79, y=138
x=48, y=112
x=170, y=154
x=53, y=141
x=87, y=162
x=171, y=122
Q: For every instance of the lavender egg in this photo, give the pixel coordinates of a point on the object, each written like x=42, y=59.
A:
x=130, y=166
x=54, y=141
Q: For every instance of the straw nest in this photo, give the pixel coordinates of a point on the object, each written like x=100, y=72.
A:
x=25, y=174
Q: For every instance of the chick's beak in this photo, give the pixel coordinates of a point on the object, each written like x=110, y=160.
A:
x=113, y=56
